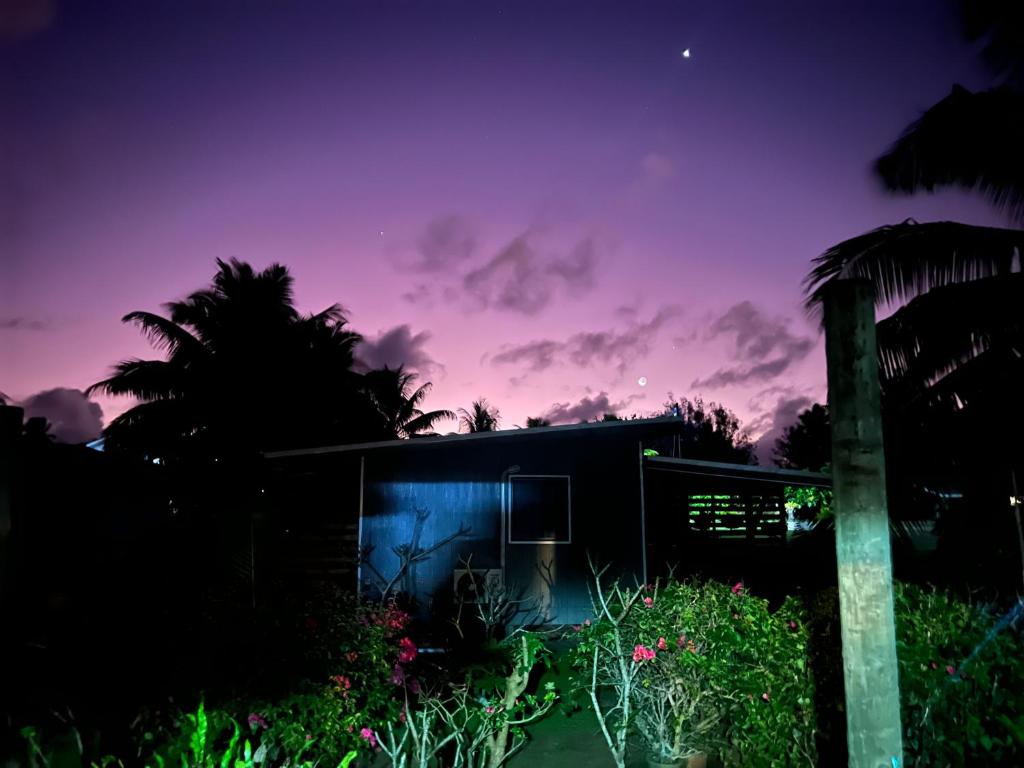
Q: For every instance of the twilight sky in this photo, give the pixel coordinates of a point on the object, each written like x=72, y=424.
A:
x=537, y=202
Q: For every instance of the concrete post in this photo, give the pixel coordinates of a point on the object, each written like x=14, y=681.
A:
x=863, y=549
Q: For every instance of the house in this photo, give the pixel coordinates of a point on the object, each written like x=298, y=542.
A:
x=529, y=508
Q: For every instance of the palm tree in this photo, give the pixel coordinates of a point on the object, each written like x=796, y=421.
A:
x=481, y=417
x=944, y=274
x=951, y=356
x=243, y=371
x=391, y=393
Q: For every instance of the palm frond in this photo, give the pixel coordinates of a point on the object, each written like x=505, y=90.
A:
x=908, y=259
x=968, y=140
x=163, y=333
x=143, y=379
x=947, y=327
x=426, y=421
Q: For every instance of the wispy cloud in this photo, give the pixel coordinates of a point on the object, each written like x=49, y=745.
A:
x=445, y=244
x=12, y=323
x=778, y=408
x=521, y=279
x=587, y=408
x=397, y=346
x=615, y=348
x=764, y=347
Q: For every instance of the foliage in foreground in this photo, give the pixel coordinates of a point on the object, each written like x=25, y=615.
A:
x=699, y=667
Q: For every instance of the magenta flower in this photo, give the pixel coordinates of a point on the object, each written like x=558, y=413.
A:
x=407, y=650
x=662, y=645
x=950, y=670
x=640, y=653
x=257, y=720
x=586, y=623
x=370, y=736
x=648, y=601
x=737, y=587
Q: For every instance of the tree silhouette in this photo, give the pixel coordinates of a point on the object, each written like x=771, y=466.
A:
x=481, y=417
x=392, y=394
x=710, y=431
x=537, y=421
x=807, y=444
x=243, y=371
x=950, y=357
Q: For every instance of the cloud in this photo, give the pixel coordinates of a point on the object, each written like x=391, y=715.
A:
x=519, y=279
x=772, y=423
x=421, y=294
x=577, y=269
x=657, y=166
x=446, y=242
x=73, y=417
x=765, y=346
x=618, y=349
x=9, y=323
x=395, y=347
x=535, y=355
x=587, y=409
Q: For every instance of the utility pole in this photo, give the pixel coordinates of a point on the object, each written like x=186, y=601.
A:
x=863, y=549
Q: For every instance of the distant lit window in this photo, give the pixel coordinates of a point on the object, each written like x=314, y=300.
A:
x=539, y=509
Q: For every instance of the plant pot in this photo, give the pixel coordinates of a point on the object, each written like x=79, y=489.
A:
x=700, y=760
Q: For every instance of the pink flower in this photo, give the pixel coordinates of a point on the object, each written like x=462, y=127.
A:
x=351, y=656
x=577, y=627
x=370, y=736
x=407, y=650
x=401, y=715
x=950, y=670
x=489, y=710
x=935, y=665
x=737, y=587
x=257, y=720
x=792, y=625
x=661, y=644
x=342, y=682
x=648, y=601
x=765, y=697
x=640, y=653
x=586, y=623
x=681, y=641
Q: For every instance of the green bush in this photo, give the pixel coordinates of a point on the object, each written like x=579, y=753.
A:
x=735, y=655
x=961, y=680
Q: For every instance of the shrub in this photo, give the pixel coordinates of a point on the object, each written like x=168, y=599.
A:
x=961, y=680
x=731, y=659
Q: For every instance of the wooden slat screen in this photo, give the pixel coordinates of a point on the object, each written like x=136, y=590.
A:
x=737, y=515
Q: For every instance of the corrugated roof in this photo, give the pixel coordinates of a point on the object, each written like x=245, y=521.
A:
x=444, y=440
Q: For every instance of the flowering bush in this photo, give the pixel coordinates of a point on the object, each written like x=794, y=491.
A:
x=961, y=680
x=703, y=666
x=471, y=727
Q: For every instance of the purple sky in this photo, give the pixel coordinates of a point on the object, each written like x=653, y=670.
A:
x=549, y=197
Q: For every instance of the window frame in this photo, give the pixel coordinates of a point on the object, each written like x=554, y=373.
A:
x=568, y=509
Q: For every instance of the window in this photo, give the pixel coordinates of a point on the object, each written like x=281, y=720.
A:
x=539, y=509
